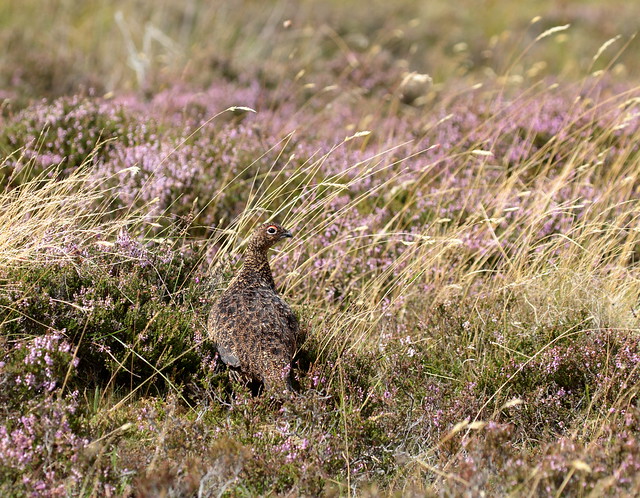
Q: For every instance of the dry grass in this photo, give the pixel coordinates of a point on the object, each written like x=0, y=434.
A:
x=40, y=218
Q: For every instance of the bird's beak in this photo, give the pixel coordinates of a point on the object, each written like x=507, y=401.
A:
x=286, y=235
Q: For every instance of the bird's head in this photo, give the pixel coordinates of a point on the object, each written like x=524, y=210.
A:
x=265, y=236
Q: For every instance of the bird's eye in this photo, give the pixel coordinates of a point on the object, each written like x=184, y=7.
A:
x=272, y=230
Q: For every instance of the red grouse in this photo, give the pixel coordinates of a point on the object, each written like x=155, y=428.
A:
x=254, y=329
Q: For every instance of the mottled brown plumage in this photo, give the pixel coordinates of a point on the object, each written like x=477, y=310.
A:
x=254, y=329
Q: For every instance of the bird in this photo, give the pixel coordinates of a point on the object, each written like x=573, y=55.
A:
x=255, y=331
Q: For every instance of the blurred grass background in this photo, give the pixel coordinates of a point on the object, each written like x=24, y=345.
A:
x=62, y=47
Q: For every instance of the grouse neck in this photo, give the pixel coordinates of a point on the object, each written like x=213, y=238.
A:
x=256, y=268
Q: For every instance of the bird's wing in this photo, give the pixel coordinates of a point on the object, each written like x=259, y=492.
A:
x=252, y=329
x=274, y=323
x=218, y=325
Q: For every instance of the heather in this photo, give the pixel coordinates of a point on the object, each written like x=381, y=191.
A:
x=464, y=261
